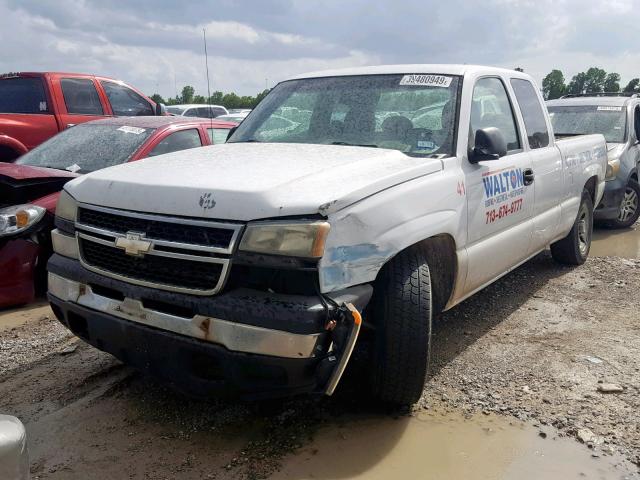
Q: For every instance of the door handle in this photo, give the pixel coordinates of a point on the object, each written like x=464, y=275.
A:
x=528, y=176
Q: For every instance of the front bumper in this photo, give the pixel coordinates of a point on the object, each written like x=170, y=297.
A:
x=609, y=206
x=243, y=342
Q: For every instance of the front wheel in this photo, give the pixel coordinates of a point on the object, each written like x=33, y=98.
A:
x=574, y=248
x=403, y=318
x=629, y=207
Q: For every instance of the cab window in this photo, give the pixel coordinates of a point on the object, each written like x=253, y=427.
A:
x=182, y=140
x=218, y=135
x=126, y=102
x=534, y=121
x=490, y=107
x=81, y=97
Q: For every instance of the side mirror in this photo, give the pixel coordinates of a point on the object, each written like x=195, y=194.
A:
x=489, y=144
x=231, y=131
x=161, y=109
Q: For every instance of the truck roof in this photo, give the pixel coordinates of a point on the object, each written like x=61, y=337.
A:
x=160, y=121
x=445, y=69
x=42, y=74
x=621, y=101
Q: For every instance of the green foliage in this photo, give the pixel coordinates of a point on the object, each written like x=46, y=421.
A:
x=553, y=85
x=633, y=86
x=612, y=83
x=156, y=97
x=187, y=94
x=594, y=80
x=227, y=100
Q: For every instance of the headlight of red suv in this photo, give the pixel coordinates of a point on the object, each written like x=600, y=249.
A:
x=18, y=218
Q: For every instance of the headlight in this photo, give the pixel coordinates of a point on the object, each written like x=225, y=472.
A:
x=296, y=239
x=18, y=218
x=613, y=167
x=67, y=207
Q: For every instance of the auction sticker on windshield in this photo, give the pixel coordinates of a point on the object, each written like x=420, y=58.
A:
x=609, y=109
x=426, y=80
x=136, y=130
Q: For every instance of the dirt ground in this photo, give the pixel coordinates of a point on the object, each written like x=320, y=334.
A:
x=515, y=391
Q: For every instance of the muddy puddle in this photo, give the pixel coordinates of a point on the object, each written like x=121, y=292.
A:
x=617, y=243
x=447, y=446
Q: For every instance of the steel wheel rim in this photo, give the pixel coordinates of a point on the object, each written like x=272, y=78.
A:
x=629, y=205
x=583, y=232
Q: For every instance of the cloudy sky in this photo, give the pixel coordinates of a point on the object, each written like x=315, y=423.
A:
x=157, y=44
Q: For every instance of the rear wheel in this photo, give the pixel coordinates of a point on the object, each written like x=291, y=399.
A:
x=629, y=207
x=403, y=317
x=574, y=248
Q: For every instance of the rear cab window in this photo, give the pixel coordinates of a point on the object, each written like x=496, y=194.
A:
x=535, y=123
x=124, y=101
x=23, y=95
x=180, y=140
x=81, y=96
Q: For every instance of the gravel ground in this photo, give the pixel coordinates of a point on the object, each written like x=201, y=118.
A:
x=539, y=345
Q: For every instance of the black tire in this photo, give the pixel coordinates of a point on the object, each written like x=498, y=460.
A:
x=629, y=207
x=574, y=248
x=403, y=317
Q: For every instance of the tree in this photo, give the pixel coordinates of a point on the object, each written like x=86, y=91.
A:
x=612, y=83
x=553, y=85
x=576, y=85
x=633, y=86
x=156, y=97
x=187, y=94
x=594, y=82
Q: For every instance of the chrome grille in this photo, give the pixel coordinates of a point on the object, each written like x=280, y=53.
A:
x=189, y=256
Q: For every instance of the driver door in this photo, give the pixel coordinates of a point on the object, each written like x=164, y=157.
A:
x=500, y=204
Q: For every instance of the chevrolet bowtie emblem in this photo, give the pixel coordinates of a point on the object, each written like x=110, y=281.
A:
x=134, y=244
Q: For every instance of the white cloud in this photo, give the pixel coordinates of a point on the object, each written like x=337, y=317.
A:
x=154, y=44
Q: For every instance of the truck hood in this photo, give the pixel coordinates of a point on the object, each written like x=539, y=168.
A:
x=24, y=184
x=250, y=181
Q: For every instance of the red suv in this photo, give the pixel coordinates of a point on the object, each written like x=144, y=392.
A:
x=36, y=106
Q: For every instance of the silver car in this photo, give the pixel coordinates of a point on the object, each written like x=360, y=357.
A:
x=617, y=117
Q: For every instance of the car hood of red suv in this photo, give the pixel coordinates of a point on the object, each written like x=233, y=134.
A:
x=26, y=184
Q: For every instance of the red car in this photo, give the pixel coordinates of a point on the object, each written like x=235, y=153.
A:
x=29, y=188
x=36, y=106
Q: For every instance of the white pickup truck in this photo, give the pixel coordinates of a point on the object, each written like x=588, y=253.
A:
x=349, y=204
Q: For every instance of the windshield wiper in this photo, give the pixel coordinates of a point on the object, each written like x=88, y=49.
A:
x=354, y=144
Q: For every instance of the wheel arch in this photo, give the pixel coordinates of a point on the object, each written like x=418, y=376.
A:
x=440, y=251
x=591, y=186
x=10, y=148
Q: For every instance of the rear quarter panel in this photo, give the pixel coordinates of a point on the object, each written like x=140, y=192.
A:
x=583, y=157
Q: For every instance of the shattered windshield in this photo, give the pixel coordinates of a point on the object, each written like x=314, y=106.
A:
x=583, y=120
x=414, y=114
x=85, y=148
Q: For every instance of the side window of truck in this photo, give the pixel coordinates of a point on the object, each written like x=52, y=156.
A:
x=636, y=122
x=182, y=140
x=23, y=95
x=218, y=135
x=124, y=101
x=81, y=96
x=490, y=107
x=534, y=121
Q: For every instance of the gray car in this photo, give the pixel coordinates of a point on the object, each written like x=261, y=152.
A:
x=617, y=117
